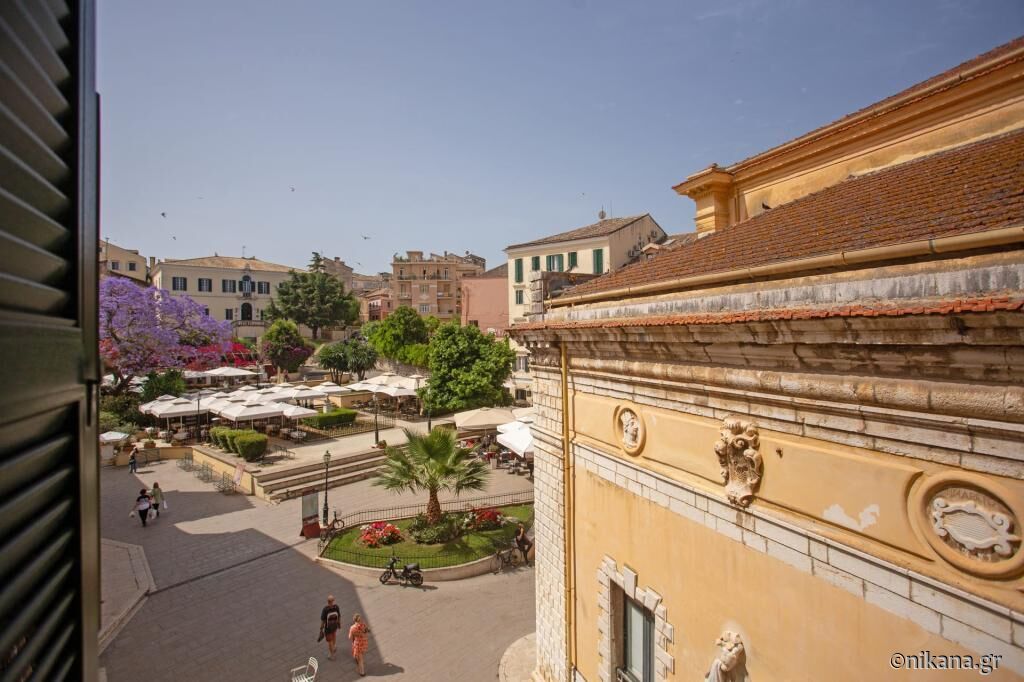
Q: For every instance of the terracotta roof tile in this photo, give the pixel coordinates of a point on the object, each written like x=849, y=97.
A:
x=599, y=229
x=230, y=262
x=973, y=188
x=945, y=307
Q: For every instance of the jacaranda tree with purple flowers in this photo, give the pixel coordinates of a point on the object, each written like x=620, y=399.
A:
x=147, y=329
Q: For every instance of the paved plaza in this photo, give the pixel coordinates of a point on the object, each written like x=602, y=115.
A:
x=237, y=595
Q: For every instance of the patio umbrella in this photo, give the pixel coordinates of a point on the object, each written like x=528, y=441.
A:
x=297, y=411
x=179, y=408
x=519, y=441
x=230, y=372
x=300, y=392
x=209, y=400
x=524, y=414
x=380, y=379
x=360, y=386
x=483, y=418
x=394, y=391
x=112, y=437
x=223, y=403
x=165, y=405
x=331, y=388
x=247, y=388
x=146, y=407
x=512, y=426
x=248, y=411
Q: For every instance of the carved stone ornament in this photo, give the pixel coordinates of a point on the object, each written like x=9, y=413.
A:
x=981, y=531
x=731, y=646
x=739, y=459
x=630, y=429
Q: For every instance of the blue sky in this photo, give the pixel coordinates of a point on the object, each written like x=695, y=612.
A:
x=472, y=125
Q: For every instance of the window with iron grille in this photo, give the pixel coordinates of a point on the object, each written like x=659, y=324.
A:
x=115, y=265
x=205, y=284
x=262, y=287
x=227, y=286
x=179, y=284
x=132, y=265
x=519, y=297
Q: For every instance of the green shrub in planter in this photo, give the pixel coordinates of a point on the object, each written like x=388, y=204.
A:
x=338, y=417
x=232, y=438
x=250, y=445
x=217, y=436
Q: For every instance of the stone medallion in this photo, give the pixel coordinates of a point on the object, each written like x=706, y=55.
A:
x=630, y=429
x=970, y=523
x=740, y=460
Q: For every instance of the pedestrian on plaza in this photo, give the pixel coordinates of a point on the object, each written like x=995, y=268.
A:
x=133, y=462
x=360, y=642
x=523, y=543
x=142, y=504
x=330, y=623
x=157, y=494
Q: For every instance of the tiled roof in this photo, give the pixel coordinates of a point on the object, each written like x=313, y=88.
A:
x=500, y=272
x=973, y=188
x=230, y=262
x=997, y=58
x=601, y=228
x=943, y=307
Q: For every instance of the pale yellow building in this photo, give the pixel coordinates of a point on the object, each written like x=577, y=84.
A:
x=431, y=285
x=115, y=260
x=792, y=449
x=235, y=289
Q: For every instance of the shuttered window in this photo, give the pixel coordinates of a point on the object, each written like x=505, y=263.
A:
x=49, y=541
x=519, y=270
x=598, y=261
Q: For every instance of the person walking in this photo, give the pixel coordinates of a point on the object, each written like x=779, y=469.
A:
x=360, y=642
x=330, y=623
x=523, y=543
x=157, y=494
x=133, y=462
x=142, y=505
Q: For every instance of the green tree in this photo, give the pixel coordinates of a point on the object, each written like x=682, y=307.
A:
x=432, y=324
x=431, y=463
x=467, y=369
x=402, y=328
x=360, y=357
x=417, y=354
x=284, y=347
x=171, y=382
x=334, y=356
x=315, y=298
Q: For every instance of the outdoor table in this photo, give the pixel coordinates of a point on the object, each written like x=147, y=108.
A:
x=181, y=436
x=164, y=435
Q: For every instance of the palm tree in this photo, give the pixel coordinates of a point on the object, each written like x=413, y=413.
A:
x=432, y=462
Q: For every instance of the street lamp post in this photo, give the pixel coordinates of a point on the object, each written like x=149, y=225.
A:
x=376, y=425
x=327, y=469
x=430, y=426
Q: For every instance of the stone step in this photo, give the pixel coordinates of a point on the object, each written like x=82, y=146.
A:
x=264, y=477
x=298, y=489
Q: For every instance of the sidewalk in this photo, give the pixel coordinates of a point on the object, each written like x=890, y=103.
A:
x=124, y=583
x=519, y=660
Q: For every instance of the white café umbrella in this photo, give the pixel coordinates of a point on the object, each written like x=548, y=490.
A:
x=230, y=372
x=381, y=379
x=360, y=386
x=250, y=410
x=513, y=426
x=519, y=441
x=246, y=389
x=112, y=437
x=524, y=414
x=178, y=408
x=146, y=407
x=483, y=418
x=165, y=405
x=331, y=388
x=296, y=411
x=300, y=392
x=225, y=402
x=394, y=391
x=209, y=400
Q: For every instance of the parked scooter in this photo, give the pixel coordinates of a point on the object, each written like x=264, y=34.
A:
x=410, y=573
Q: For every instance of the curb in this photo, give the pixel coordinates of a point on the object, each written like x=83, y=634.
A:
x=140, y=568
x=470, y=569
x=519, y=660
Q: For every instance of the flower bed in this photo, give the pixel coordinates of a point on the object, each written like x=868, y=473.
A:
x=472, y=544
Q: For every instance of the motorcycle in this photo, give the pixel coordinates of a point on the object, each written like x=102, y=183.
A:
x=410, y=573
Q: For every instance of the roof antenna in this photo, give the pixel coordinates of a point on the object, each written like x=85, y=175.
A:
x=601, y=215
x=243, y=250
x=611, y=209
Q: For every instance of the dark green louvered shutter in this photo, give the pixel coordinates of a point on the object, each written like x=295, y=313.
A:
x=49, y=540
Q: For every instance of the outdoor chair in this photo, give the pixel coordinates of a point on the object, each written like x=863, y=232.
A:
x=306, y=673
x=226, y=484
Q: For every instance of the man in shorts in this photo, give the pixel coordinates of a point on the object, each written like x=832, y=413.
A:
x=330, y=622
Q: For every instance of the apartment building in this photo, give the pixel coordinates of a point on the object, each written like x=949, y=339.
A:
x=485, y=300
x=431, y=285
x=229, y=288
x=340, y=270
x=115, y=260
x=364, y=283
x=375, y=305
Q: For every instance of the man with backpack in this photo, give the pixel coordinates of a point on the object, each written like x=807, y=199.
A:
x=330, y=622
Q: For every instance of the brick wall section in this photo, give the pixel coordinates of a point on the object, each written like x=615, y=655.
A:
x=974, y=623
x=549, y=524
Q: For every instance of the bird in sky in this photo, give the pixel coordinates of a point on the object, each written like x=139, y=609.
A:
x=163, y=214
x=359, y=264
x=364, y=236
x=293, y=189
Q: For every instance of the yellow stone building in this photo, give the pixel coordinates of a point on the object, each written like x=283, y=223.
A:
x=793, y=448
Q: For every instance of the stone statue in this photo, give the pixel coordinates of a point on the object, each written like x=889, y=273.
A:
x=739, y=459
x=732, y=651
x=630, y=430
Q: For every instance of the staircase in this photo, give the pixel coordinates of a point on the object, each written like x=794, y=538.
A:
x=292, y=482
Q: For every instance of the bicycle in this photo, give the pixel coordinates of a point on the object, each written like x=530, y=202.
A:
x=327, y=533
x=510, y=556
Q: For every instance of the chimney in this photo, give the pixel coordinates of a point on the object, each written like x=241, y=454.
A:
x=601, y=215
x=152, y=262
x=337, y=259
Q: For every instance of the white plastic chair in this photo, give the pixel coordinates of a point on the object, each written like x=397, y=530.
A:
x=306, y=673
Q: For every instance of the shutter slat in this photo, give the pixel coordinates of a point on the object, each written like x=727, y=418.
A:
x=20, y=587
x=19, y=179
x=32, y=464
x=31, y=297
x=59, y=8
x=17, y=511
x=27, y=146
x=30, y=262
x=32, y=538
x=51, y=657
x=32, y=114
x=34, y=42
x=30, y=620
x=25, y=222
x=47, y=23
x=14, y=53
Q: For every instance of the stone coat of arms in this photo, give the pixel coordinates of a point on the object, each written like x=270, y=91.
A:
x=739, y=459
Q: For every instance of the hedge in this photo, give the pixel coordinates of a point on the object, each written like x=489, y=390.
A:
x=341, y=416
x=217, y=436
x=233, y=436
x=250, y=445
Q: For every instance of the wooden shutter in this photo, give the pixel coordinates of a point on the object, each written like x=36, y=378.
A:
x=49, y=369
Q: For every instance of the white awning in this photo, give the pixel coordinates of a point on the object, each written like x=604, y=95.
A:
x=519, y=441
